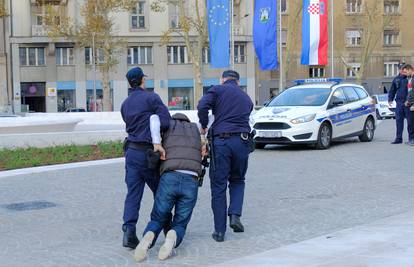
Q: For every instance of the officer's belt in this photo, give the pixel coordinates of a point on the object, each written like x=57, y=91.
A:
x=228, y=135
x=140, y=145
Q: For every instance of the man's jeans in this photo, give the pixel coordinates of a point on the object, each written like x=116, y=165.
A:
x=177, y=189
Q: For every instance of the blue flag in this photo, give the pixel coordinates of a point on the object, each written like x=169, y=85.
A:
x=219, y=32
x=265, y=33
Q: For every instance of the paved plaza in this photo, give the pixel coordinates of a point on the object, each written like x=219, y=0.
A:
x=293, y=194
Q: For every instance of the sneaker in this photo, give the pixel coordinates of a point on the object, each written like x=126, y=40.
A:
x=143, y=246
x=168, y=246
x=396, y=142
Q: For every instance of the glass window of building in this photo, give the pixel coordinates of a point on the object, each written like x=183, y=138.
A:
x=353, y=6
x=139, y=55
x=391, y=7
x=32, y=56
x=173, y=15
x=284, y=6
x=66, y=99
x=391, y=69
x=177, y=54
x=352, y=70
x=353, y=37
x=391, y=37
x=206, y=55
x=239, y=53
x=180, y=98
x=100, y=58
x=64, y=56
x=316, y=72
x=138, y=18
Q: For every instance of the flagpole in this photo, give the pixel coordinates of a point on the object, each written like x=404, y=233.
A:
x=332, y=40
x=232, y=35
x=280, y=49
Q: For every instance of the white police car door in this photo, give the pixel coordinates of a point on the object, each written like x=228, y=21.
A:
x=356, y=122
x=337, y=113
x=365, y=103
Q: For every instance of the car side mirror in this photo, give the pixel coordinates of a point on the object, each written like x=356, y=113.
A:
x=337, y=103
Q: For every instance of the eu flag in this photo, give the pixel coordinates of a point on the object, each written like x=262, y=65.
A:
x=219, y=32
x=265, y=33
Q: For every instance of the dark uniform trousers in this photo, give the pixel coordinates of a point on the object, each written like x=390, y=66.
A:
x=137, y=174
x=401, y=113
x=231, y=157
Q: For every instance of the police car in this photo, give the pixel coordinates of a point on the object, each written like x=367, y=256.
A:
x=315, y=111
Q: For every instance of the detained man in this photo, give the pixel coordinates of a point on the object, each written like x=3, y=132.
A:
x=181, y=167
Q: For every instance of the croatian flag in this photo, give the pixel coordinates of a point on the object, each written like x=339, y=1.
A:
x=315, y=32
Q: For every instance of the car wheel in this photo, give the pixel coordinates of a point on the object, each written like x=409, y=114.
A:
x=368, y=132
x=378, y=115
x=324, y=136
x=259, y=145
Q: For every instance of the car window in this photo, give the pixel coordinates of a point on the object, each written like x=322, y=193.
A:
x=351, y=95
x=301, y=97
x=361, y=93
x=338, y=95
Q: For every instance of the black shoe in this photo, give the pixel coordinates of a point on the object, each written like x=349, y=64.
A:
x=396, y=142
x=236, y=224
x=130, y=239
x=218, y=236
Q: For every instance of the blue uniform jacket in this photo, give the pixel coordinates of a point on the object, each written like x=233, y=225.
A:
x=231, y=108
x=136, y=111
x=398, y=90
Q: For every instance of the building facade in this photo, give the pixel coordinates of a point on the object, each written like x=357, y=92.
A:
x=54, y=75
x=49, y=75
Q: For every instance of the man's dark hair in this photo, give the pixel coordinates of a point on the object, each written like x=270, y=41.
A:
x=136, y=83
x=408, y=67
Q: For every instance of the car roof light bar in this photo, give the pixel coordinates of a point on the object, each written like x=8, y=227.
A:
x=318, y=80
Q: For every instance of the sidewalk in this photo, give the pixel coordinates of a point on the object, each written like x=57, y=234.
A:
x=384, y=243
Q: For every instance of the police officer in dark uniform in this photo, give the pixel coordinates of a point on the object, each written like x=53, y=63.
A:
x=136, y=111
x=398, y=92
x=230, y=149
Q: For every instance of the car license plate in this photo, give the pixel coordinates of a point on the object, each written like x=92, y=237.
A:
x=270, y=134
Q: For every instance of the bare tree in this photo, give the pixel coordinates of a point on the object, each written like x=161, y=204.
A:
x=372, y=24
x=192, y=28
x=98, y=24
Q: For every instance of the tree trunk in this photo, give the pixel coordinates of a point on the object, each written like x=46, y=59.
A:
x=198, y=85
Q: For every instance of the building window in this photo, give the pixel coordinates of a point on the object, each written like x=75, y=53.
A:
x=206, y=55
x=316, y=72
x=353, y=37
x=391, y=7
x=32, y=56
x=240, y=53
x=139, y=55
x=174, y=15
x=352, y=69
x=180, y=98
x=177, y=54
x=100, y=58
x=391, y=69
x=353, y=6
x=391, y=37
x=284, y=6
x=138, y=16
x=284, y=37
x=64, y=56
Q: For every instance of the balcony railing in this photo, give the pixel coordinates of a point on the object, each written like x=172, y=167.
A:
x=39, y=30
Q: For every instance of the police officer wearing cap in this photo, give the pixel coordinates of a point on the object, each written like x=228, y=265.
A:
x=398, y=92
x=136, y=111
x=230, y=133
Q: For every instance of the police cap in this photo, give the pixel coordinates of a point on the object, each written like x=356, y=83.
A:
x=231, y=74
x=401, y=65
x=134, y=75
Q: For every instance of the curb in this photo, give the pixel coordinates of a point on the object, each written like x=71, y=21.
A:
x=66, y=166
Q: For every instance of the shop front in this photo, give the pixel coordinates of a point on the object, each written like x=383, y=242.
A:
x=33, y=96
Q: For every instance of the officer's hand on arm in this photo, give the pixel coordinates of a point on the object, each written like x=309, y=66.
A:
x=407, y=104
x=159, y=148
x=203, y=131
x=204, y=151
